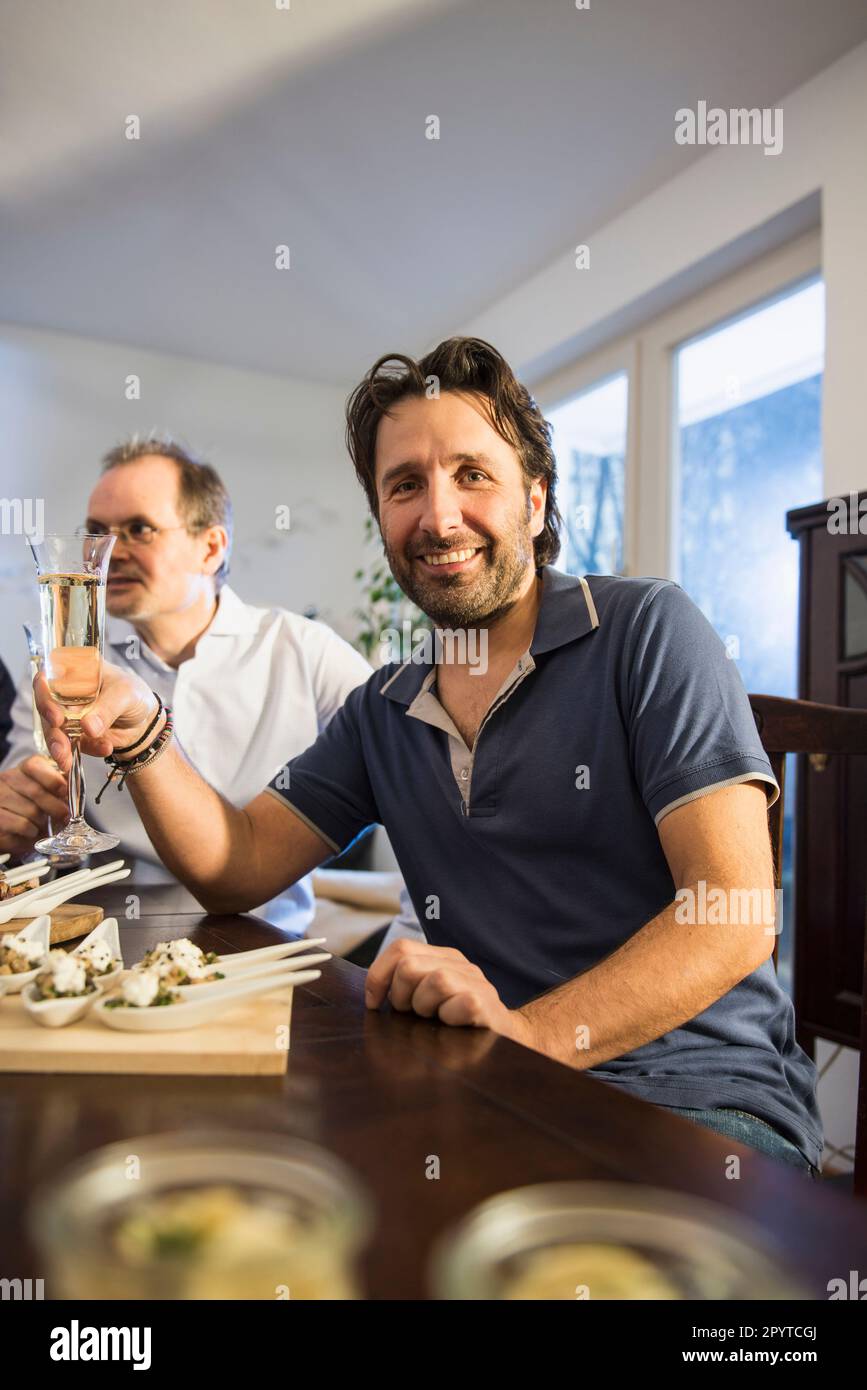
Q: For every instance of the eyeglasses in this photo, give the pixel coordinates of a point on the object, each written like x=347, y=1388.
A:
x=135, y=533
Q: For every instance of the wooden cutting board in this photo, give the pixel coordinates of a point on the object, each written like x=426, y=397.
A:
x=252, y=1040
x=67, y=922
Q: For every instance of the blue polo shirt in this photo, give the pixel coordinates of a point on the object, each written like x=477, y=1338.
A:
x=536, y=854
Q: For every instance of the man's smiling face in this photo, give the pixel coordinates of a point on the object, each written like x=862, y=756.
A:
x=456, y=516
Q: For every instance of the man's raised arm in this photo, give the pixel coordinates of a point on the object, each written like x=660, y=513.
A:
x=231, y=858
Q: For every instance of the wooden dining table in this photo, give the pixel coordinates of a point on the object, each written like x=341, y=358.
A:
x=388, y=1093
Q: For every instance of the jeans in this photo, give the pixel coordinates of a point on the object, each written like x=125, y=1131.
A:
x=748, y=1129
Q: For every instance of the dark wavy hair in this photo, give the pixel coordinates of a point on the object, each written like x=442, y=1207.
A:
x=458, y=364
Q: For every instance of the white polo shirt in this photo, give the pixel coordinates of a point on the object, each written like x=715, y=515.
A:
x=261, y=686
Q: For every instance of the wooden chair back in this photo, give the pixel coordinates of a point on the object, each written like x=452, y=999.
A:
x=818, y=732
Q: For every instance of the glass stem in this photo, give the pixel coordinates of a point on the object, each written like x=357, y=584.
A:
x=77, y=789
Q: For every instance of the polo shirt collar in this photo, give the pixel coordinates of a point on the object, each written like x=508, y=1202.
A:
x=566, y=612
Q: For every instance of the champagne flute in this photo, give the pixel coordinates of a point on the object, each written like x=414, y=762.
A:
x=36, y=665
x=72, y=572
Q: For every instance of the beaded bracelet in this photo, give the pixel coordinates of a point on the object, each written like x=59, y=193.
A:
x=120, y=771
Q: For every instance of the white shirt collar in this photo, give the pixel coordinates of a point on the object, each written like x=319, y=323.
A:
x=232, y=617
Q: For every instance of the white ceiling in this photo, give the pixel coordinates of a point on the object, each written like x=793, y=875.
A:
x=307, y=127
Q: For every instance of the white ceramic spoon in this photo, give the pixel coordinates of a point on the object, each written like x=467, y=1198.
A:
x=240, y=960
x=70, y=885
x=166, y=1018
x=47, y=902
x=37, y=930
x=57, y=1013
x=274, y=969
x=108, y=932
x=35, y=870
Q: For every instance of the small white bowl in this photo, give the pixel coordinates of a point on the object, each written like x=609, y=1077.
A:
x=57, y=1013
x=37, y=930
x=108, y=932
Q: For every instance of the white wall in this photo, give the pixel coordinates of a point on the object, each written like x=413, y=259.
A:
x=274, y=440
x=716, y=203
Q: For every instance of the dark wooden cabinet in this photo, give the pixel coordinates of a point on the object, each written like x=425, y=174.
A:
x=831, y=800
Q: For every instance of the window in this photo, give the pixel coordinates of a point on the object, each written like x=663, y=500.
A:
x=589, y=441
x=747, y=447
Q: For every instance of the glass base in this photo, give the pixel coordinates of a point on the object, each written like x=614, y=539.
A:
x=58, y=858
x=76, y=840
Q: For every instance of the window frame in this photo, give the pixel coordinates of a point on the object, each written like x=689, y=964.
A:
x=591, y=371
x=647, y=358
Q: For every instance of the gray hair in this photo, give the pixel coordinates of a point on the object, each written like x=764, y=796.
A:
x=202, y=497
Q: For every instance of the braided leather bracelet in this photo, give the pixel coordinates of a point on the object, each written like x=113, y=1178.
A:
x=149, y=754
x=146, y=735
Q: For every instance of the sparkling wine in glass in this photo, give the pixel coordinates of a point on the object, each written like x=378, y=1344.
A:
x=72, y=573
x=36, y=665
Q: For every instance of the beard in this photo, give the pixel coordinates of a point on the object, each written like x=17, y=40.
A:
x=468, y=600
